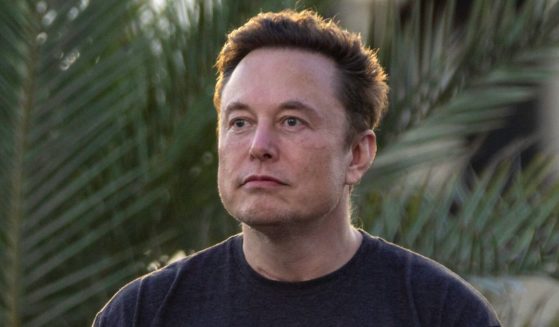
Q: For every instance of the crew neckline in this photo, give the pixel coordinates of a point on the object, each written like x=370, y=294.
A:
x=339, y=275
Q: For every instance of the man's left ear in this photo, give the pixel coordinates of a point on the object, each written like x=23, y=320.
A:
x=363, y=151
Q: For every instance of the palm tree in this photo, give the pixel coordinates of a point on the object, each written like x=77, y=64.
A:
x=107, y=142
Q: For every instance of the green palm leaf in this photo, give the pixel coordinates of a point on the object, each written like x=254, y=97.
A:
x=72, y=155
x=107, y=139
x=506, y=223
x=450, y=82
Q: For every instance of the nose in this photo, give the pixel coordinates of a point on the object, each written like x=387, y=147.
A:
x=263, y=146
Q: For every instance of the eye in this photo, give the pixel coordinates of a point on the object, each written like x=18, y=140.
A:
x=238, y=123
x=292, y=121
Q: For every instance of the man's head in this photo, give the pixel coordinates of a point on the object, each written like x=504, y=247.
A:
x=297, y=99
x=361, y=85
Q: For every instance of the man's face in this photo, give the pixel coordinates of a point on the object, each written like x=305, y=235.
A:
x=282, y=156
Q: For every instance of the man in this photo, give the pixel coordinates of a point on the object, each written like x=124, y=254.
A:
x=297, y=99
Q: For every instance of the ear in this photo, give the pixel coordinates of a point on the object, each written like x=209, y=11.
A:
x=363, y=152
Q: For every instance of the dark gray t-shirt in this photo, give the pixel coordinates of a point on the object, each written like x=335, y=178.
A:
x=382, y=285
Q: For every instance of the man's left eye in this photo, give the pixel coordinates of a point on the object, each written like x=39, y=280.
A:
x=292, y=121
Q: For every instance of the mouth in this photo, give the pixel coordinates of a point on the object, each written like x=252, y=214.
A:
x=261, y=180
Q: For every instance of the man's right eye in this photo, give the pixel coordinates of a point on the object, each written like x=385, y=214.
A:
x=239, y=123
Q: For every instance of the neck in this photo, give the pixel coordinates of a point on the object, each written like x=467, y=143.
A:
x=300, y=253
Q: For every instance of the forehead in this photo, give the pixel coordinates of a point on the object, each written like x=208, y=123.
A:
x=271, y=74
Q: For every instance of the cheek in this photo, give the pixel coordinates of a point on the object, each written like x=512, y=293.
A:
x=231, y=157
x=224, y=168
x=229, y=151
x=325, y=165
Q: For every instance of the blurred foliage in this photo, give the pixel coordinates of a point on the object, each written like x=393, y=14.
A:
x=452, y=82
x=107, y=141
x=507, y=223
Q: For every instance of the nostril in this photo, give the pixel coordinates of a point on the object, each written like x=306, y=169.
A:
x=261, y=153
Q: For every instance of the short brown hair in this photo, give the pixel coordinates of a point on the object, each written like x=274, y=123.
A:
x=362, y=88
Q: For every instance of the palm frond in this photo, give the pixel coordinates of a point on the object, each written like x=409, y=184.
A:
x=107, y=143
x=451, y=82
x=506, y=223
x=71, y=131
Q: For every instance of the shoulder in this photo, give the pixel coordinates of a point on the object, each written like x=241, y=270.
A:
x=434, y=291
x=421, y=271
x=123, y=308
x=140, y=299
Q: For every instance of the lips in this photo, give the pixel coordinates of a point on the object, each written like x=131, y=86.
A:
x=261, y=179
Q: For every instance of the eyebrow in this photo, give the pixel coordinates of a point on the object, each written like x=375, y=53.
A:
x=298, y=105
x=233, y=106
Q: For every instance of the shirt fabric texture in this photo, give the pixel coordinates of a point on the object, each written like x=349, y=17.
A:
x=382, y=285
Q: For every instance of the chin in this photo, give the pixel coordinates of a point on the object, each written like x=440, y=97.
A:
x=255, y=220
x=264, y=217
